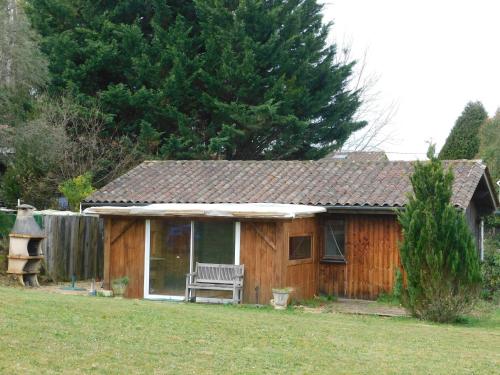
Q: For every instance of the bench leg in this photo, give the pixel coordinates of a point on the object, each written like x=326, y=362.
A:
x=186, y=297
x=235, y=295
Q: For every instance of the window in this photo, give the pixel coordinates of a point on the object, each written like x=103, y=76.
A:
x=300, y=247
x=214, y=242
x=335, y=240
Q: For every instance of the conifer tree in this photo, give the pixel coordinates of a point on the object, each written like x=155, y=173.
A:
x=23, y=67
x=463, y=140
x=489, y=150
x=215, y=79
x=438, y=251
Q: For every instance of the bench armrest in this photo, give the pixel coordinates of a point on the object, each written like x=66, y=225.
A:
x=238, y=280
x=189, y=276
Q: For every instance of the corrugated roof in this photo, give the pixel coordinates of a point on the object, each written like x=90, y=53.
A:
x=322, y=182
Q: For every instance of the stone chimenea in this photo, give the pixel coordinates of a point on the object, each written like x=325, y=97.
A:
x=25, y=250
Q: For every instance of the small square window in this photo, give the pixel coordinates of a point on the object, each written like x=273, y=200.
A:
x=335, y=240
x=300, y=247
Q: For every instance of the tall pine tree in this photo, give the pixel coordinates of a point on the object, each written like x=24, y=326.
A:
x=489, y=150
x=216, y=79
x=438, y=251
x=463, y=140
x=23, y=68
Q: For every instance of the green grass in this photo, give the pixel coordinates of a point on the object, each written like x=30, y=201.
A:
x=316, y=301
x=388, y=299
x=51, y=333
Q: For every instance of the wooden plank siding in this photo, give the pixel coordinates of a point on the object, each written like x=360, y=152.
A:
x=372, y=257
x=262, y=260
x=73, y=246
x=371, y=251
x=302, y=275
x=124, y=253
x=264, y=252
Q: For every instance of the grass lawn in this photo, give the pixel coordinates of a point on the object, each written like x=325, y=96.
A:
x=52, y=333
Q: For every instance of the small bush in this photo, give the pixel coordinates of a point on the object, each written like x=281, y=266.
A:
x=77, y=189
x=7, y=221
x=4, y=250
x=490, y=270
x=397, y=293
x=121, y=281
x=398, y=289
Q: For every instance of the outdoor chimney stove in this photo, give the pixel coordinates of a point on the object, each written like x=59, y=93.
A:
x=25, y=247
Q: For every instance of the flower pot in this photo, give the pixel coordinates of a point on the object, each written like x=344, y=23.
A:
x=119, y=289
x=280, y=298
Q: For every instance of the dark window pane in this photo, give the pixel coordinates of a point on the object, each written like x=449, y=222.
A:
x=300, y=247
x=214, y=242
x=335, y=239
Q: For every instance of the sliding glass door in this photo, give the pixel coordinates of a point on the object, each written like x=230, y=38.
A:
x=174, y=246
x=169, y=257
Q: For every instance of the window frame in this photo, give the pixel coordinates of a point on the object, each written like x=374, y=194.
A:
x=342, y=259
x=147, y=257
x=301, y=260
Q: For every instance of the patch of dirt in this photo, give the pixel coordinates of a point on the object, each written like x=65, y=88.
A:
x=355, y=306
x=58, y=288
x=51, y=287
x=359, y=307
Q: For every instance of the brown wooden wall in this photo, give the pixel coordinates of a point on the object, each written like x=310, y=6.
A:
x=371, y=251
x=372, y=258
x=124, y=253
x=261, y=254
x=301, y=275
x=264, y=252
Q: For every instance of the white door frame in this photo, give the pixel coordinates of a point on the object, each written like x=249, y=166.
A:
x=147, y=256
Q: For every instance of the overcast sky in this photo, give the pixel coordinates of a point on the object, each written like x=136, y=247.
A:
x=431, y=57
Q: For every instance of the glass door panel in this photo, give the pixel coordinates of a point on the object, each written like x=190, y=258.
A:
x=214, y=243
x=169, y=257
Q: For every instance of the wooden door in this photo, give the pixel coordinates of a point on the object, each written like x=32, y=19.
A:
x=125, y=241
x=260, y=254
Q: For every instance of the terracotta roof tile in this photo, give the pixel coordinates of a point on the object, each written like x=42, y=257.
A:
x=324, y=182
x=358, y=155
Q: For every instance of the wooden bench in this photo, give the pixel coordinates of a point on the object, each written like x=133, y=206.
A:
x=208, y=276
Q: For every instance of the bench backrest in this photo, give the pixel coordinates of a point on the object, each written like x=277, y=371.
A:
x=218, y=273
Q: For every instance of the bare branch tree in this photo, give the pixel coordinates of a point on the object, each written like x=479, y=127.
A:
x=87, y=149
x=378, y=114
x=63, y=142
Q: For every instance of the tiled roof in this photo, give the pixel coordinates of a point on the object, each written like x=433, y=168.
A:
x=358, y=155
x=323, y=182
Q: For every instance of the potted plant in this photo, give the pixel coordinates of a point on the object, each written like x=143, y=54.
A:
x=280, y=298
x=119, y=286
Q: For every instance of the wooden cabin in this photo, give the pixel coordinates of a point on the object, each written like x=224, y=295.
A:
x=326, y=226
